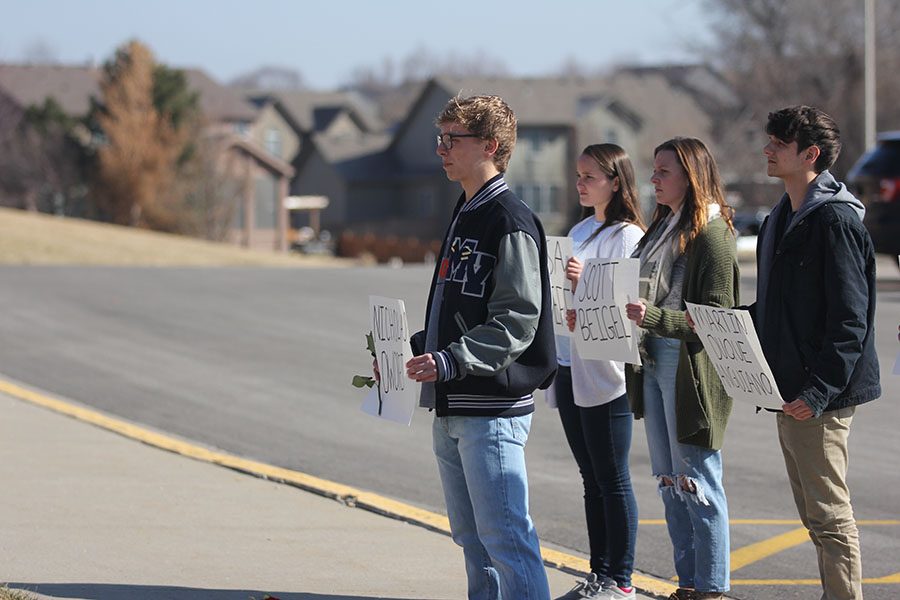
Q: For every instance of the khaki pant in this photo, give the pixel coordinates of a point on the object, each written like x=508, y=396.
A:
x=815, y=454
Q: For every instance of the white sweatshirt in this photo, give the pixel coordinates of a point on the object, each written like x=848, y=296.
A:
x=596, y=382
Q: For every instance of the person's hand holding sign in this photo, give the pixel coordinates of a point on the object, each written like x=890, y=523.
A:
x=422, y=368
x=573, y=272
x=798, y=409
x=636, y=312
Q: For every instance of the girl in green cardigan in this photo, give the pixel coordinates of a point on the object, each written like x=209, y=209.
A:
x=688, y=254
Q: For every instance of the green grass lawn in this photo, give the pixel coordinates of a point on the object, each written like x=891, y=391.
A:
x=37, y=239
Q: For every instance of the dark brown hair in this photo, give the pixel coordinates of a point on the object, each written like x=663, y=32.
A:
x=808, y=126
x=623, y=207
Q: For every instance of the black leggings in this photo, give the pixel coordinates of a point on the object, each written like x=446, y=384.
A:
x=600, y=439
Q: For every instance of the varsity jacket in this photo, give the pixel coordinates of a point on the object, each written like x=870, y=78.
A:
x=492, y=334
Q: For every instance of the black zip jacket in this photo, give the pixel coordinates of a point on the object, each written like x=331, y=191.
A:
x=815, y=308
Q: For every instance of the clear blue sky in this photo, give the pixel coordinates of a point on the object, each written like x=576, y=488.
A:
x=326, y=39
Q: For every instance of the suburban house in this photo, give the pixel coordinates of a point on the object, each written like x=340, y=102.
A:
x=395, y=185
x=696, y=100
x=332, y=126
x=234, y=126
x=329, y=161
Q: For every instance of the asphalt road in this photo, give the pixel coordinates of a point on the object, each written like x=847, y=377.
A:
x=258, y=362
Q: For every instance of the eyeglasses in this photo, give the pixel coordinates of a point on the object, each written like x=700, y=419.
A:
x=445, y=140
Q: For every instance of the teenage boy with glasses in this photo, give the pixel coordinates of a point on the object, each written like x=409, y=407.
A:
x=487, y=345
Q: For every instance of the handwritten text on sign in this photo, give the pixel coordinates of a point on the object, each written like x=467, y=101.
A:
x=395, y=397
x=602, y=331
x=731, y=342
x=559, y=251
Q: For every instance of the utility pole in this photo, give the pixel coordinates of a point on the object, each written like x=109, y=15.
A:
x=870, y=73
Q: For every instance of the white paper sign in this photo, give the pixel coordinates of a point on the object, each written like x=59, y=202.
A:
x=395, y=397
x=559, y=251
x=730, y=340
x=602, y=329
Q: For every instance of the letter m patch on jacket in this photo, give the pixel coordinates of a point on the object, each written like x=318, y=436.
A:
x=470, y=267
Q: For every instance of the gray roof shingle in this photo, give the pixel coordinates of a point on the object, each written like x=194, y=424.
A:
x=304, y=105
x=73, y=86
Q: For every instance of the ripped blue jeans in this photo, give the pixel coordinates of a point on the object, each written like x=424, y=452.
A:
x=690, y=480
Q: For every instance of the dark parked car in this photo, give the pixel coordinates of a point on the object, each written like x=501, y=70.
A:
x=875, y=179
x=747, y=223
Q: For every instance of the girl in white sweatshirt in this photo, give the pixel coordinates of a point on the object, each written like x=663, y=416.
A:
x=590, y=394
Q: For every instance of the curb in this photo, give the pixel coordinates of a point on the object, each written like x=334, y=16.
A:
x=346, y=495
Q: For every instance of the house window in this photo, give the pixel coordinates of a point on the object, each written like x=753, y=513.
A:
x=266, y=202
x=554, y=198
x=612, y=136
x=543, y=199
x=239, y=214
x=534, y=140
x=272, y=142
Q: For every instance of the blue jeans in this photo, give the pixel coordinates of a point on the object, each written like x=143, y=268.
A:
x=690, y=480
x=600, y=439
x=481, y=461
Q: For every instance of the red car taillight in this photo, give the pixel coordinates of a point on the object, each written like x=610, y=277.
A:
x=889, y=189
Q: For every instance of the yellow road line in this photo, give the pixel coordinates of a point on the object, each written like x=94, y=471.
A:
x=573, y=564
x=344, y=493
x=760, y=550
x=895, y=578
x=778, y=522
x=775, y=582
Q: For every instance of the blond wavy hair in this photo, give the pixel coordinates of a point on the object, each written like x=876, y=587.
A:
x=488, y=117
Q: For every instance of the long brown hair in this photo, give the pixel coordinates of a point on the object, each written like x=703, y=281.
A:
x=704, y=188
x=623, y=206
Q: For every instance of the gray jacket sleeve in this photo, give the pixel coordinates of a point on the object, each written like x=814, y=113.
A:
x=514, y=309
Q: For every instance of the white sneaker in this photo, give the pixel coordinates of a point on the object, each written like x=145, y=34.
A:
x=588, y=587
x=610, y=590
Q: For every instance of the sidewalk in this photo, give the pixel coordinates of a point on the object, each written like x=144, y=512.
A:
x=86, y=513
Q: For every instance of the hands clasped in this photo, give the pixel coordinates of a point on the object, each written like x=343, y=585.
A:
x=422, y=368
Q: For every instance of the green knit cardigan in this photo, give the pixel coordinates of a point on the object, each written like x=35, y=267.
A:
x=711, y=277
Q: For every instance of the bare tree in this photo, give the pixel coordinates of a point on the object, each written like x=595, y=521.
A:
x=40, y=162
x=40, y=52
x=421, y=64
x=392, y=86
x=211, y=192
x=780, y=53
x=270, y=77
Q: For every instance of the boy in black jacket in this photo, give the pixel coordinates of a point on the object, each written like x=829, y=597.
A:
x=815, y=312
x=487, y=345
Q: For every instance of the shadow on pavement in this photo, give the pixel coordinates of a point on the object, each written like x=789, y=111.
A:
x=109, y=591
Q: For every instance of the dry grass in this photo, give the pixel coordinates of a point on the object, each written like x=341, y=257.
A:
x=38, y=239
x=14, y=594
